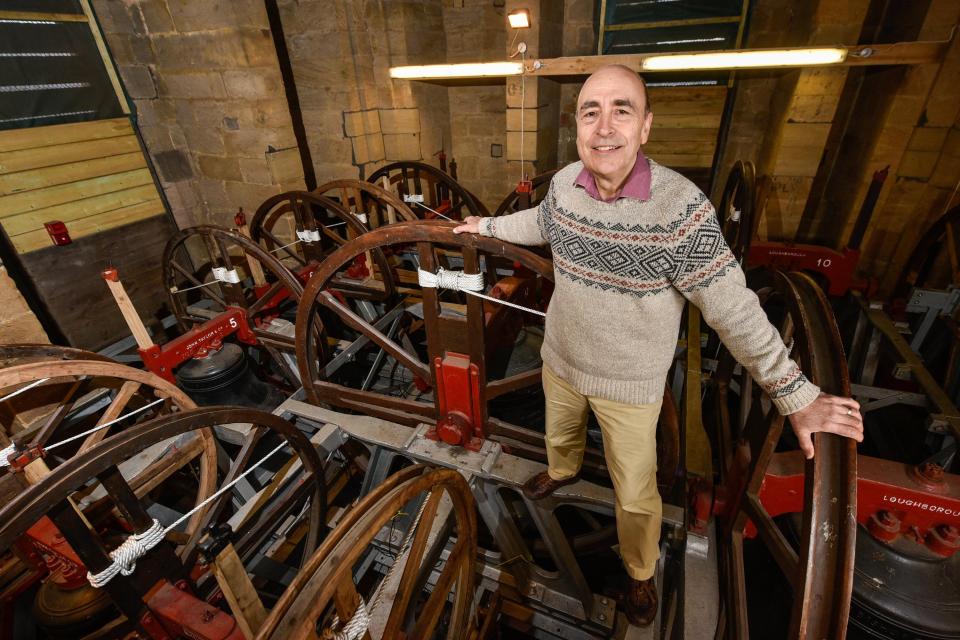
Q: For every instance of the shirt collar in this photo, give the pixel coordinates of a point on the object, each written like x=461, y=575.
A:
x=637, y=184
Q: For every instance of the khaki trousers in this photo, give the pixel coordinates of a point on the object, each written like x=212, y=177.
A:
x=630, y=447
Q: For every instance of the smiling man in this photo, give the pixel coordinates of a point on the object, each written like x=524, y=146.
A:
x=632, y=241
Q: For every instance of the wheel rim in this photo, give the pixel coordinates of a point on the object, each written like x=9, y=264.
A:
x=821, y=572
x=410, y=178
x=328, y=574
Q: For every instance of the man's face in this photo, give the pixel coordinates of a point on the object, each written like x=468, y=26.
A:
x=612, y=123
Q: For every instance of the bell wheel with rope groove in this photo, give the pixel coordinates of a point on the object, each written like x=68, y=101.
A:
x=90, y=503
x=441, y=195
x=754, y=446
x=219, y=275
x=433, y=506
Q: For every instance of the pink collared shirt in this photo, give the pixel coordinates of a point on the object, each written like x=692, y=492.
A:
x=636, y=186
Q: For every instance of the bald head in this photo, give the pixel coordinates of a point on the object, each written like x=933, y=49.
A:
x=621, y=73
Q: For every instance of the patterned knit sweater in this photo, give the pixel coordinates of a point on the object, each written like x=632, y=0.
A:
x=623, y=271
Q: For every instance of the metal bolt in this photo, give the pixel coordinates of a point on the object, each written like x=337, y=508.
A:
x=603, y=601
x=887, y=518
x=948, y=532
x=601, y=617
x=931, y=471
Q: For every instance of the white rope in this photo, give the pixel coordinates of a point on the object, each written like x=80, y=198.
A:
x=126, y=555
x=132, y=549
x=104, y=425
x=223, y=489
x=470, y=283
x=230, y=276
x=6, y=453
x=456, y=280
x=358, y=624
x=176, y=289
x=285, y=246
x=35, y=383
x=308, y=235
x=523, y=105
x=435, y=211
x=356, y=627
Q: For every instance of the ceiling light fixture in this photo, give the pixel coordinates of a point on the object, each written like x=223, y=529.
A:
x=745, y=59
x=519, y=18
x=470, y=70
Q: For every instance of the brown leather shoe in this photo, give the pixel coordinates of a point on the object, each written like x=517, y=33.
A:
x=541, y=485
x=641, y=602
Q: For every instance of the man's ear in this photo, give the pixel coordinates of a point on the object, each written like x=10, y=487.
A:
x=645, y=128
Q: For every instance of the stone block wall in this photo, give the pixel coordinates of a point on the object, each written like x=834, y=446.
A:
x=205, y=82
x=17, y=324
x=206, y=86
x=477, y=32
x=579, y=39
x=355, y=116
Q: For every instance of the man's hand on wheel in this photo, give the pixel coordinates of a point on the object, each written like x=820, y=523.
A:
x=828, y=414
x=471, y=224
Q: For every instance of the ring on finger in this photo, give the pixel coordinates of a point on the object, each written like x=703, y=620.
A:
x=849, y=412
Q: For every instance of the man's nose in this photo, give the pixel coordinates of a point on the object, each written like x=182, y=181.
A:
x=605, y=124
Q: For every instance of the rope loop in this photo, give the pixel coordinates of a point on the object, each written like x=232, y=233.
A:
x=470, y=283
x=126, y=555
x=5, y=455
x=355, y=628
x=456, y=280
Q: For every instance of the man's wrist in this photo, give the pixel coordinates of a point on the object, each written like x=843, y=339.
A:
x=486, y=226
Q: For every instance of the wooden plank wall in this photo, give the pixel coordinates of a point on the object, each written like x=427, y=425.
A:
x=68, y=279
x=92, y=176
x=686, y=121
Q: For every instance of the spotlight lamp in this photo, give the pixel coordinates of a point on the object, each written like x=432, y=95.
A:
x=519, y=18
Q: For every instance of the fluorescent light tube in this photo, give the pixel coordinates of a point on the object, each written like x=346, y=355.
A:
x=745, y=59
x=470, y=70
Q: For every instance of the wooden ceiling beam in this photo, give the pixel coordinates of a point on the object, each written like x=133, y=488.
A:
x=900, y=53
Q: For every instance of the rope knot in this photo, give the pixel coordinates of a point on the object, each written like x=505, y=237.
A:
x=126, y=555
x=455, y=280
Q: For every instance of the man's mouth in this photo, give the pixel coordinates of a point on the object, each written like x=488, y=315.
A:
x=606, y=147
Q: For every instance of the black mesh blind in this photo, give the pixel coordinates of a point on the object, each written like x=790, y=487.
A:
x=646, y=26
x=51, y=71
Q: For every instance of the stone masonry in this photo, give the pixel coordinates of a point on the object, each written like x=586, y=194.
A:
x=206, y=87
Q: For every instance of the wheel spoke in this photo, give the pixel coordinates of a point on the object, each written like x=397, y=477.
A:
x=119, y=403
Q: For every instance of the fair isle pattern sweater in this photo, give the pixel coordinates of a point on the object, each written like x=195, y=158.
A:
x=623, y=271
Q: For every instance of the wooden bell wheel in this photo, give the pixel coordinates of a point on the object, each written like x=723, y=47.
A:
x=378, y=205
x=395, y=608
x=251, y=279
x=737, y=210
x=70, y=397
x=282, y=220
x=440, y=191
x=516, y=201
x=94, y=505
x=819, y=568
x=11, y=354
x=301, y=227
x=457, y=325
